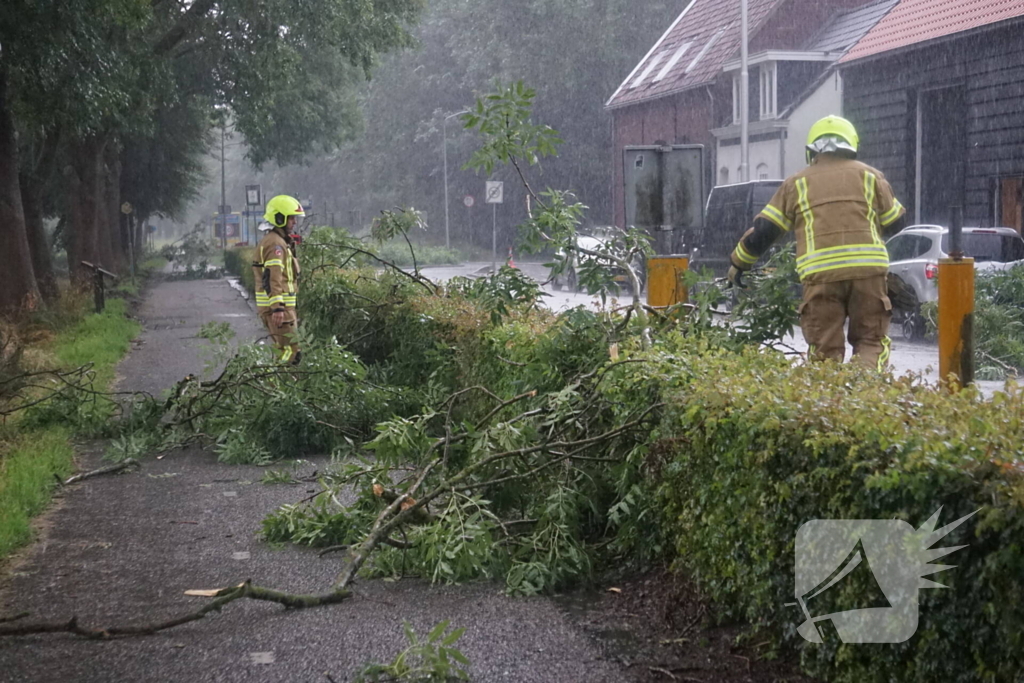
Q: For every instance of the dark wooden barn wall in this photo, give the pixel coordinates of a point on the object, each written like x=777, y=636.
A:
x=881, y=96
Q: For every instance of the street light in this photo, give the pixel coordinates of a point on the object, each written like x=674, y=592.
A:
x=444, y=131
x=744, y=95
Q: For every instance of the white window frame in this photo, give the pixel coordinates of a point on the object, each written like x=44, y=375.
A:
x=769, y=78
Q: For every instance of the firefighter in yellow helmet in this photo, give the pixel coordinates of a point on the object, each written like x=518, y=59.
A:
x=841, y=212
x=276, y=271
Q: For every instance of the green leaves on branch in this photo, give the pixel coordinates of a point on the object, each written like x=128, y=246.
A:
x=434, y=659
x=510, y=136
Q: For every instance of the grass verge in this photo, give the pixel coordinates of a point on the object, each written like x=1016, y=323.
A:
x=33, y=459
x=27, y=476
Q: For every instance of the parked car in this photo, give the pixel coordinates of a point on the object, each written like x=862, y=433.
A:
x=730, y=212
x=595, y=242
x=914, y=264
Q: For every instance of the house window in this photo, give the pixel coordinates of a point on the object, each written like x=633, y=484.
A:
x=762, y=171
x=735, y=99
x=769, y=91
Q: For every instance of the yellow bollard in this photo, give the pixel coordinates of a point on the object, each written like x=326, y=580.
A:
x=665, y=285
x=956, y=321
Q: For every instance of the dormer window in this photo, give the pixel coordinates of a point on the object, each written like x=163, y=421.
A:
x=769, y=91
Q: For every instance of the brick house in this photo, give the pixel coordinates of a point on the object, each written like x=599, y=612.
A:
x=681, y=91
x=936, y=90
x=794, y=89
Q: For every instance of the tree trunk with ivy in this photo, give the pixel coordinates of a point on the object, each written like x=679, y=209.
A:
x=19, y=291
x=35, y=229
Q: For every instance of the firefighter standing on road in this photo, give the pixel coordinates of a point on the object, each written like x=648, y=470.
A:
x=841, y=211
x=276, y=270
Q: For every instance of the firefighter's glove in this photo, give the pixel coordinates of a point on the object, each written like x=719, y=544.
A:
x=735, y=277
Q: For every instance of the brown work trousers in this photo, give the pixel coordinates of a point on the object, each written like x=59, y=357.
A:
x=865, y=302
x=283, y=335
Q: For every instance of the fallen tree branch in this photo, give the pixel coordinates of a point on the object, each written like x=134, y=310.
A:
x=223, y=597
x=109, y=469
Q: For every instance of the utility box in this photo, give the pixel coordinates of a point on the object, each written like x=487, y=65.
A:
x=665, y=285
x=665, y=193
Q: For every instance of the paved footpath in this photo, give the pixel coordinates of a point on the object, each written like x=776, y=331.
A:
x=123, y=549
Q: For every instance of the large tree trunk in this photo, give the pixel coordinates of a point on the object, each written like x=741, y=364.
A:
x=19, y=291
x=88, y=242
x=35, y=229
x=36, y=176
x=112, y=205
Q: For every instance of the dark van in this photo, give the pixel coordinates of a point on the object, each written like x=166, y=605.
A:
x=730, y=213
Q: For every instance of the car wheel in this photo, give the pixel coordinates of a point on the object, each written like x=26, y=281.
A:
x=913, y=326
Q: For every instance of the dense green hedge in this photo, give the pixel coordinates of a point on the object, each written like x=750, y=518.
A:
x=238, y=262
x=752, y=447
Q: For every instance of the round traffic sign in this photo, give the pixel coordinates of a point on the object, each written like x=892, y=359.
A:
x=468, y=200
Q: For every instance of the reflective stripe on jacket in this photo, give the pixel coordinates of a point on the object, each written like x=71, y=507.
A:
x=838, y=209
x=275, y=270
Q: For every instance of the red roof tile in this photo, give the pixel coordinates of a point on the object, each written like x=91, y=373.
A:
x=693, y=50
x=917, y=21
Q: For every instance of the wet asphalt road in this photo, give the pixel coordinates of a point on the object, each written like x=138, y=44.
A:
x=122, y=549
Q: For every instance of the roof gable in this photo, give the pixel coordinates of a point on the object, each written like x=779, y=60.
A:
x=916, y=21
x=692, y=51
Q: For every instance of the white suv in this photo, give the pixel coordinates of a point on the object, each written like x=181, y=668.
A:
x=914, y=259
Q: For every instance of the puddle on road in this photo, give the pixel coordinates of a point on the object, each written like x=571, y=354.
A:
x=584, y=609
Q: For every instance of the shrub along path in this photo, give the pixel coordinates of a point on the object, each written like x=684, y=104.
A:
x=123, y=549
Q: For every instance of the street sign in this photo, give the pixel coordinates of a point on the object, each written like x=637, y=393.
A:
x=468, y=201
x=252, y=195
x=495, y=192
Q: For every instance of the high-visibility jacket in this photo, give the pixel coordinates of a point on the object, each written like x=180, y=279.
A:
x=275, y=270
x=839, y=210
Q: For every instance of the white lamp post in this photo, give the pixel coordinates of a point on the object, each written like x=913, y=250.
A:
x=744, y=97
x=444, y=131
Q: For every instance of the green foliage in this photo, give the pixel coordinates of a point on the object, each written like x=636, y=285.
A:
x=998, y=321
x=194, y=254
x=238, y=262
x=97, y=342
x=259, y=410
x=273, y=477
x=509, y=137
x=133, y=445
x=217, y=332
x=35, y=448
x=500, y=293
x=29, y=468
x=320, y=524
x=767, y=311
x=503, y=120
x=752, y=447
x=432, y=660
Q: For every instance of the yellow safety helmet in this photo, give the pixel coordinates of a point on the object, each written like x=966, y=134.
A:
x=280, y=208
x=831, y=134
